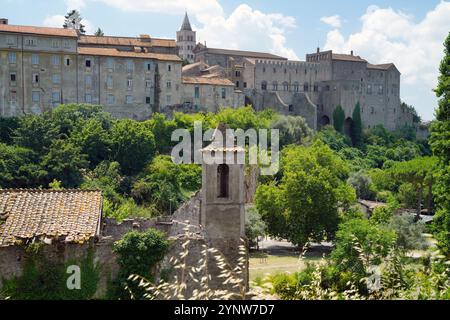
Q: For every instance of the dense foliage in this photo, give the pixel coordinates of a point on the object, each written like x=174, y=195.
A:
x=440, y=144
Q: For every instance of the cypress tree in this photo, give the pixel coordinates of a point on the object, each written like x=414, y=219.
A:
x=356, y=133
x=338, y=119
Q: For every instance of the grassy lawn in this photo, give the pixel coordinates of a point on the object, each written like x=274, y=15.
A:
x=263, y=264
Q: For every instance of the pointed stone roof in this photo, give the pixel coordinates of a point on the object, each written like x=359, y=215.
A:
x=186, y=24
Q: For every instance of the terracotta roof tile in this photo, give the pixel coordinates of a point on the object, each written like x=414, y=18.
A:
x=249, y=54
x=112, y=52
x=347, y=57
x=126, y=41
x=207, y=80
x=69, y=215
x=384, y=66
x=61, y=32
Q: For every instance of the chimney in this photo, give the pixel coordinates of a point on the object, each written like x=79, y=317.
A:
x=351, y=52
x=3, y=21
x=318, y=49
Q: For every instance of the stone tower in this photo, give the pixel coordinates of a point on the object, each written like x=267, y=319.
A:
x=223, y=199
x=186, y=40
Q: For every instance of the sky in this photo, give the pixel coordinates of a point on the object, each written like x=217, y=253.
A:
x=408, y=33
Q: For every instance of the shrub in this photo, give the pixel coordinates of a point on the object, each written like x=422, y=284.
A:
x=138, y=253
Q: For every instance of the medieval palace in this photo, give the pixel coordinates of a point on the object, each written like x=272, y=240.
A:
x=41, y=68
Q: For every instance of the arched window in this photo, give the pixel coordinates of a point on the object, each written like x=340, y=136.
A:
x=264, y=85
x=285, y=86
x=222, y=180
x=275, y=86
x=306, y=87
x=296, y=87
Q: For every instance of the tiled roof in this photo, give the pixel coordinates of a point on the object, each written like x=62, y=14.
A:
x=384, y=66
x=68, y=215
x=250, y=54
x=112, y=52
x=186, y=24
x=61, y=32
x=206, y=80
x=126, y=41
x=347, y=57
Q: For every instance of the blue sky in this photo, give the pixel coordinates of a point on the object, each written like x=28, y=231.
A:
x=408, y=33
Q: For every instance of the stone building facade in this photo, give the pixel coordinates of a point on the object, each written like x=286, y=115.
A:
x=43, y=67
x=186, y=40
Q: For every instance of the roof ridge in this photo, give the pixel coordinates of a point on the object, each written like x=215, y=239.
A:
x=2, y=190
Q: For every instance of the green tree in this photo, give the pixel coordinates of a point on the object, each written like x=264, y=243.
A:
x=360, y=244
x=305, y=203
x=64, y=162
x=72, y=20
x=99, y=33
x=335, y=140
x=356, y=132
x=35, y=133
x=7, y=127
x=138, y=253
x=93, y=140
x=255, y=227
x=293, y=130
x=440, y=144
x=418, y=172
x=133, y=145
x=338, y=119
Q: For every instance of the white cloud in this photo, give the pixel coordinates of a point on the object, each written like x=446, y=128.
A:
x=388, y=35
x=334, y=21
x=245, y=28
x=57, y=20
x=75, y=4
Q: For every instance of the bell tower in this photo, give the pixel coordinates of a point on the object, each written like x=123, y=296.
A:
x=186, y=39
x=223, y=197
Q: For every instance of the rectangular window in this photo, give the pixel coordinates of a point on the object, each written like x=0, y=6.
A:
x=12, y=57
x=130, y=65
x=245, y=84
x=55, y=43
x=237, y=84
x=35, y=59
x=129, y=99
x=10, y=41
x=169, y=67
x=168, y=99
x=35, y=78
x=67, y=61
x=148, y=66
x=12, y=77
x=109, y=82
x=148, y=83
x=30, y=42
x=169, y=85
x=197, y=93
x=56, y=79
x=110, y=63
x=13, y=96
x=129, y=84
x=238, y=73
x=147, y=100
x=88, y=98
x=35, y=96
x=56, y=60
x=110, y=99
x=87, y=63
x=88, y=80
x=56, y=97
x=224, y=93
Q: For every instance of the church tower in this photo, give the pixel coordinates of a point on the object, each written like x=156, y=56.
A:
x=223, y=199
x=186, y=40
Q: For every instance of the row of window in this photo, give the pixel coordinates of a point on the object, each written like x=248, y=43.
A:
x=188, y=38
x=286, y=86
x=56, y=61
x=33, y=42
x=56, y=98
x=274, y=70
x=197, y=92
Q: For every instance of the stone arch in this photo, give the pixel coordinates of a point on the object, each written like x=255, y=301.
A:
x=324, y=121
x=348, y=126
x=223, y=173
x=248, y=101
